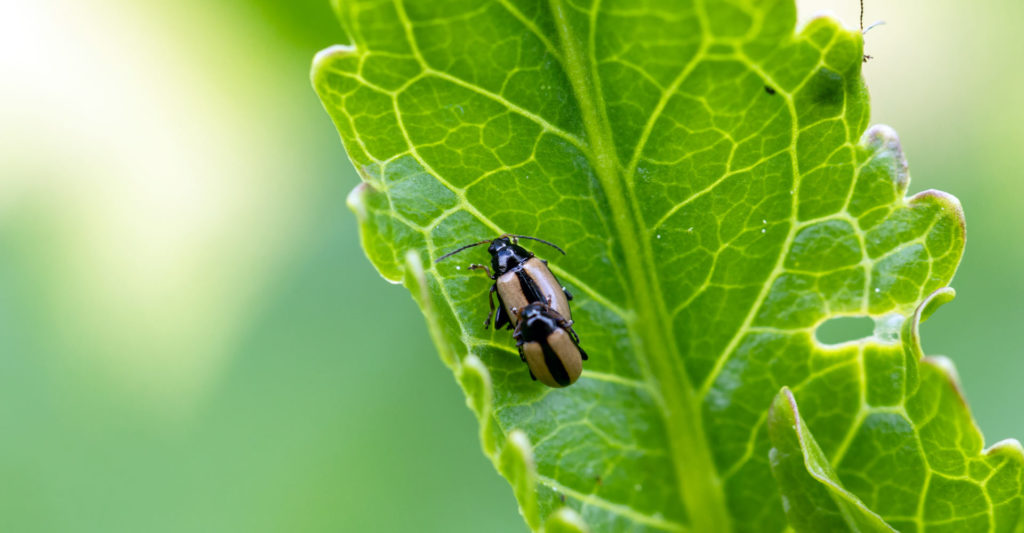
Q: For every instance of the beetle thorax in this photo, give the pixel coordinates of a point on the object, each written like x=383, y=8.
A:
x=506, y=255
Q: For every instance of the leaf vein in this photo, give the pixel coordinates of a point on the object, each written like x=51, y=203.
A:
x=616, y=508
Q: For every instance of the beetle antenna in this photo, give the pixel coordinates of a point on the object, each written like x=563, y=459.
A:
x=873, y=25
x=453, y=252
x=551, y=244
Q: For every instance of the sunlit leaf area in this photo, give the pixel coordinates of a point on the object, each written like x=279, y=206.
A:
x=195, y=334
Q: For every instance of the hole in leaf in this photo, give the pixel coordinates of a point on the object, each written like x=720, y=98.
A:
x=844, y=329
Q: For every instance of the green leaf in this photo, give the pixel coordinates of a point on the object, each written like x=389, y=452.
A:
x=709, y=174
x=813, y=495
x=919, y=459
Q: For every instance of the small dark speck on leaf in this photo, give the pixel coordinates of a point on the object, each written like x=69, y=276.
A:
x=561, y=497
x=769, y=90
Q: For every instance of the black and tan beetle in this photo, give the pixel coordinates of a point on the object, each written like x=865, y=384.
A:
x=549, y=346
x=520, y=278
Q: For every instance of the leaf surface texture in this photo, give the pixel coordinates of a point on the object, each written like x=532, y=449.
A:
x=711, y=175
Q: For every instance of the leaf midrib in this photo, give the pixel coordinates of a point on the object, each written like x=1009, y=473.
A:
x=697, y=480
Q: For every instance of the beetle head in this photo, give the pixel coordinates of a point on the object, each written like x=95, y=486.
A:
x=533, y=310
x=506, y=254
x=539, y=320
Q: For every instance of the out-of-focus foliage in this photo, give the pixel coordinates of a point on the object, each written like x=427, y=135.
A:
x=187, y=323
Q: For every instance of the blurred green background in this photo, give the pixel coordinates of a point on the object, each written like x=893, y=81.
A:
x=192, y=340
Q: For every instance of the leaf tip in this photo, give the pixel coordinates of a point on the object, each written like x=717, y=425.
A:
x=883, y=141
x=807, y=479
x=828, y=16
x=415, y=279
x=947, y=368
x=519, y=443
x=946, y=202
x=476, y=376
x=911, y=328
x=827, y=22
x=948, y=371
x=783, y=415
x=325, y=57
x=911, y=334
x=476, y=382
x=933, y=302
x=356, y=200
x=414, y=266
x=785, y=402
x=1011, y=448
x=565, y=520
x=517, y=465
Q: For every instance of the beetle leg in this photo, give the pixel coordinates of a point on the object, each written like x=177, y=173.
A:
x=582, y=353
x=568, y=295
x=486, y=270
x=573, y=335
x=522, y=356
x=567, y=325
x=533, y=377
x=490, y=298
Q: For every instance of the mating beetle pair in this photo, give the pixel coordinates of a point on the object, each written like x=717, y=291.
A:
x=531, y=299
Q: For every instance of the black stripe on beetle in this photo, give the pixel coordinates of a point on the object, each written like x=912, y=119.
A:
x=520, y=278
x=529, y=287
x=549, y=346
x=555, y=365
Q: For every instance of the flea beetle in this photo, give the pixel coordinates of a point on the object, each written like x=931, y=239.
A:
x=549, y=346
x=520, y=278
